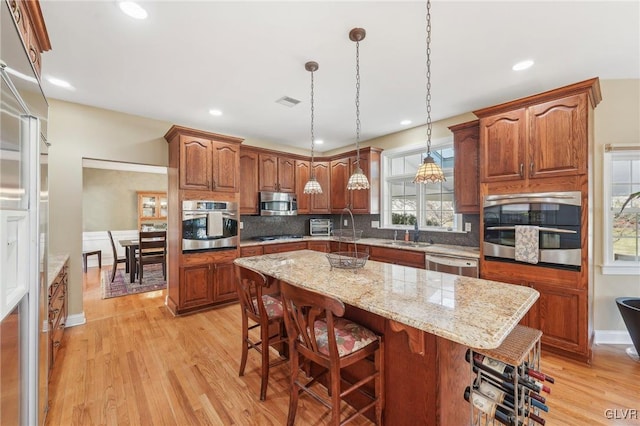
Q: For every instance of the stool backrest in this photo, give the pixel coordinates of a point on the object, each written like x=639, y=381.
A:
x=249, y=285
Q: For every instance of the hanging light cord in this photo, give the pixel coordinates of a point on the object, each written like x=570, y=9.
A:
x=312, y=135
x=358, y=103
x=428, y=77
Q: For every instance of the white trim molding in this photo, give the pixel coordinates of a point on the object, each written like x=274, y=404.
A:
x=612, y=337
x=75, y=319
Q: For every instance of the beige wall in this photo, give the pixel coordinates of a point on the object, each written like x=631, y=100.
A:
x=110, y=197
x=77, y=131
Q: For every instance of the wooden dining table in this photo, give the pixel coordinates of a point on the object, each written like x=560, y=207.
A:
x=130, y=247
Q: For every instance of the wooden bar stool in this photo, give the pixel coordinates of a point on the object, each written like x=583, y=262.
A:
x=88, y=253
x=317, y=332
x=265, y=310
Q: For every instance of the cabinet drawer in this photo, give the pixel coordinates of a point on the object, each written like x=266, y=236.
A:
x=251, y=251
x=414, y=259
x=321, y=246
x=281, y=248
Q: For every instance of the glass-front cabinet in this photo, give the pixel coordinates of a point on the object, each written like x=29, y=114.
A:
x=152, y=211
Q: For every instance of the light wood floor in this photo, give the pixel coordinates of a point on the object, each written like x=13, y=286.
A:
x=134, y=363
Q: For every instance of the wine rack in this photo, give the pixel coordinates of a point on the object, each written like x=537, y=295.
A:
x=507, y=386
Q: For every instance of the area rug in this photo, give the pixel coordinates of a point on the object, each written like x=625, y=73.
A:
x=152, y=280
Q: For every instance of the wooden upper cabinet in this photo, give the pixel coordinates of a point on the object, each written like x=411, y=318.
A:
x=360, y=201
x=558, y=137
x=466, y=167
x=321, y=203
x=206, y=161
x=277, y=173
x=249, y=183
x=303, y=171
x=542, y=136
x=195, y=163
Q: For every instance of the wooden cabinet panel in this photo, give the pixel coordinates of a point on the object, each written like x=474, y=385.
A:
x=57, y=312
x=303, y=171
x=321, y=203
x=283, y=247
x=360, y=201
x=195, y=286
x=466, y=138
x=321, y=246
x=268, y=172
x=224, y=282
x=286, y=174
x=248, y=186
x=558, y=137
x=31, y=26
x=251, y=251
x=195, y=163
x=152, y=209
x=225, y=167
x=414, y=259
x=502, y=148
x=340, y=172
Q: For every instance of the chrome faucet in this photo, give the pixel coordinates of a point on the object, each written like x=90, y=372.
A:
x=395, y=235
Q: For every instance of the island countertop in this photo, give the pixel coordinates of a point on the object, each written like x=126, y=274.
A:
x=473, y=312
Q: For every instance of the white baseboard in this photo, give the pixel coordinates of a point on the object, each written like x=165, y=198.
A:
x=75, y=319
x=612, y=337
x=99, y=240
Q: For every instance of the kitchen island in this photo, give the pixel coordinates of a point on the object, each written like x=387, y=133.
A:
x=428, y=320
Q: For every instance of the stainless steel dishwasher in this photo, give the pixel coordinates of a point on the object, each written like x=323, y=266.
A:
x=465, y=266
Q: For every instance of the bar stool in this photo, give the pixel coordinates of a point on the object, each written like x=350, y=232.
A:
x=308, y=317
x=265, y=310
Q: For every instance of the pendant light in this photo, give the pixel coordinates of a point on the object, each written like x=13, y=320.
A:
x=357, y=180
x=312, y=186
x=429, y=171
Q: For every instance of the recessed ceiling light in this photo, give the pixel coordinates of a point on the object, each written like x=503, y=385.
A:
x=523, y=65
x=133, y=9
x=215, y=112
x=60, y=83
x=318, y=141
x=405, y=122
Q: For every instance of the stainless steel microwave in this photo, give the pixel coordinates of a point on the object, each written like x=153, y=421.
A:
x=278, y=204
x=557, y=215
x=208, y=225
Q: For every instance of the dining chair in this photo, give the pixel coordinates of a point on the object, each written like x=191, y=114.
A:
x=116, y=259
x=317, y=332
x=152, y=249
x=265, y=312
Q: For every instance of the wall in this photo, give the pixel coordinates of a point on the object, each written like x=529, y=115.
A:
x=77, y=131
x=110, y=199
x=616, y=122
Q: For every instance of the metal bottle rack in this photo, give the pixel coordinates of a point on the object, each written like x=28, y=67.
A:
x=520, y=349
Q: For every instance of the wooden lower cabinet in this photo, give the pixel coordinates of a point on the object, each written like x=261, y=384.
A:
x=57, y=312
x=402, y=257
x=283, y=247
x=321, y=246
x=251, y=251
x=561, y=311
x=206, y=280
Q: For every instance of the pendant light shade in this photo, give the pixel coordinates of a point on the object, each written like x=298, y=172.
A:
x=357, y=180
x=312, y=186
x=429, y=171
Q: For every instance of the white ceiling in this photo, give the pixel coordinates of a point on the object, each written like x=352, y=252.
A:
x=240, y=57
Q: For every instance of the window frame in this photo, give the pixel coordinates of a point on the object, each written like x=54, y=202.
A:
x=385, y=199
x=611, y=266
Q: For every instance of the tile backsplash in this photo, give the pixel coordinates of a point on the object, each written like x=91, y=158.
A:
x=255, y=226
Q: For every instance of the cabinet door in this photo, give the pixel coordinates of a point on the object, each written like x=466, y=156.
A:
x=561, y=315
x=321, y=246
x=360, y=198
x=302, y=176
x=224, y=282
x=286, y=174
x=558, y=137
x=340, y=197
x=268, y=172
x=249, y=182
x=195, y=163
x=195, y=286
x=465, y=169
x=502, y=146
x=226, y=167
x=320, y=203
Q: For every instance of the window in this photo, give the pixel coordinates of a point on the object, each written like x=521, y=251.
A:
x=405, y=203
x=621, y=173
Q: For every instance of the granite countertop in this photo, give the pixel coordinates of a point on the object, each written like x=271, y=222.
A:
x=56, y=262
x=443, y=249
x=473, y=312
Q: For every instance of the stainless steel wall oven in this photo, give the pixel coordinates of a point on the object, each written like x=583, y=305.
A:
x=208, y=225
x=557, y=216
